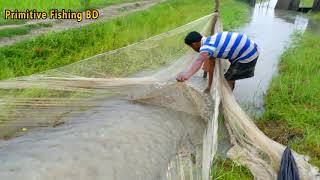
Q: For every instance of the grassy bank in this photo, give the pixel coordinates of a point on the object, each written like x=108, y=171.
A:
x=46, y=5
x=292, y=114
x=58, y=49
x=306, y=3
x=315, y=16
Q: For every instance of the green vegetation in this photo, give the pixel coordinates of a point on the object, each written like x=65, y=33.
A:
x=315, y=16
x=59, y=49
x=40, y=93
x=21, y=30
x=10, y=21
x=306, y=3
x=228, y=170
x=46, y=5
x=293, y=100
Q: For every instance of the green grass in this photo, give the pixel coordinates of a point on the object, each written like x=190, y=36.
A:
x=224, y=168
x=21, y=30
x=10, y=21
x=315, y=15
x=292, y=114
x=40, y=93
x=46, y=5
x=228, y=170
x=59, y=49
x=306, y=3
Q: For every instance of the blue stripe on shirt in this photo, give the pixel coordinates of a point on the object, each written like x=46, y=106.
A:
x=217, y=41
x=234, y=46
x=225, y=44
x=215, y=45
x=251, y=53
x=209, y=51
x=222, y=42
x=244, y=48
x=207, y=40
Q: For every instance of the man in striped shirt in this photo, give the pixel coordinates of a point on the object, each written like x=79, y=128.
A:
x=241, y=52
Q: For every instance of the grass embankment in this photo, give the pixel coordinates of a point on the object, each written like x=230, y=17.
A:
x=46, y=5
x=315, y=16
x=58, y=49
x=292, y=114
x=306, y=3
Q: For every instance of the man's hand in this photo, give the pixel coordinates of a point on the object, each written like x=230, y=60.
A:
x=181, y=77
x=196, y=65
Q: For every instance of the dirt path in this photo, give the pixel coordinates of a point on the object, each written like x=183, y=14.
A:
x=106, y=13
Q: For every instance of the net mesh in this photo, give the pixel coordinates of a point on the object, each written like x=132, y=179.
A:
x=48, y=98
x=250, y=146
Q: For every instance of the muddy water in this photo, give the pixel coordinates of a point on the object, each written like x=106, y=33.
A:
x=271, y=29
x=118, y=140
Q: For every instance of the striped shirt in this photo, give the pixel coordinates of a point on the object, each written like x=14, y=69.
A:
x=230, y=45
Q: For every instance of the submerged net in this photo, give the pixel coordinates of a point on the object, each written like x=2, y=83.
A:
x=180, y=148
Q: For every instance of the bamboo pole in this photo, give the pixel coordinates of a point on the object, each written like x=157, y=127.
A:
x=215, y=16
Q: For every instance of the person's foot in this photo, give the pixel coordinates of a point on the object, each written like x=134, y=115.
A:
x=205, y=75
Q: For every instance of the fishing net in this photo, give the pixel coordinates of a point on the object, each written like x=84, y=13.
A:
x=45, y=97
x=153, y=128
x=250, y=146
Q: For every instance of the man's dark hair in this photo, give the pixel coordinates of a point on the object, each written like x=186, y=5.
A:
x=192, y=37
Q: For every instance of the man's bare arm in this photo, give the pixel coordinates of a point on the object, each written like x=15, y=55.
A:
x=196, y=65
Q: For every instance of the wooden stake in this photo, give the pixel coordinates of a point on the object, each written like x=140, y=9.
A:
x=316, y=5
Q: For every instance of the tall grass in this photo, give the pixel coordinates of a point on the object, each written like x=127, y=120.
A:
x=293, y=102
x=58, y=49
